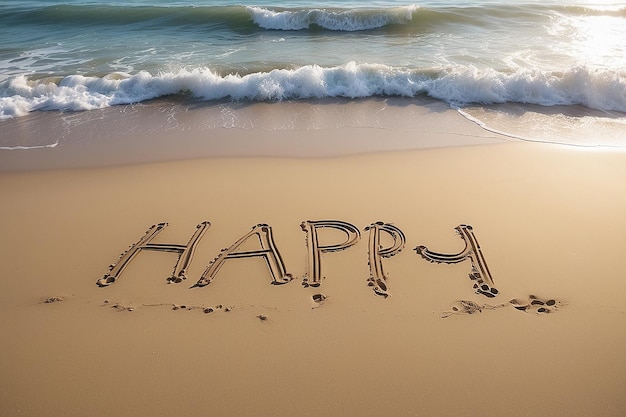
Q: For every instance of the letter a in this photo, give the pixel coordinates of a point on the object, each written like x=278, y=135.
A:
x=313, y=277
x=480, y=272
x=268, y=251
x=184, y=258
x=378, y=279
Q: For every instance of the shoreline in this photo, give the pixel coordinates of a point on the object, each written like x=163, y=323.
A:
x=174, y=129
x=165, y=131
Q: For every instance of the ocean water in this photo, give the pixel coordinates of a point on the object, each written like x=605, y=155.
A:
x=508, y=65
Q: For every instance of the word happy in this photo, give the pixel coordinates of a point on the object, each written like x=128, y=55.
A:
x=263, y=236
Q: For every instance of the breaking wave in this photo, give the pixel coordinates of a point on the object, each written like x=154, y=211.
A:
x=277, y=18
x=341, y=20
x=458, y=85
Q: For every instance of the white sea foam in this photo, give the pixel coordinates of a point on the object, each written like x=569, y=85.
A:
x=459, y=85
x=25, y=148
x=340, y=20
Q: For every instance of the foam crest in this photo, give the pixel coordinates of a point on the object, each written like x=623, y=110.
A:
x=459, y=85
x=600, y=89
x=339, y=20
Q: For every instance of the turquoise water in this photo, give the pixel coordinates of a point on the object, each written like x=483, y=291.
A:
x=81, y=55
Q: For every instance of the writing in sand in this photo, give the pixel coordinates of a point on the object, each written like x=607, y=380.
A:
x=262, y=234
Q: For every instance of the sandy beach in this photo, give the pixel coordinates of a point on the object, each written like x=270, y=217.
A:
x=439, y=270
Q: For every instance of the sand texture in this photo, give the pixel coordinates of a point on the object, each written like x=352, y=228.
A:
x=461, y=281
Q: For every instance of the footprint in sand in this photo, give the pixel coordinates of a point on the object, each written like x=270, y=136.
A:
x=318, y=299
x=530, y=304
x=121, y=307
x=207, y=310
x=50, y=300
x=534, y=304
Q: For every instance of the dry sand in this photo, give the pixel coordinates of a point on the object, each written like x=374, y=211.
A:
x=549, y=220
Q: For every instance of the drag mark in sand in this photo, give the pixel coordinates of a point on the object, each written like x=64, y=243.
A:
x=118, y=306
x=480, y=272
x=468, y=307
x=207, y=310
x=174, y=307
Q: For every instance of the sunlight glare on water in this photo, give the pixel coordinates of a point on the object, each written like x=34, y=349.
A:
x=594, y=39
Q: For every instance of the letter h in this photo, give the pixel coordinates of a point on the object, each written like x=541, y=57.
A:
x=185, y=253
